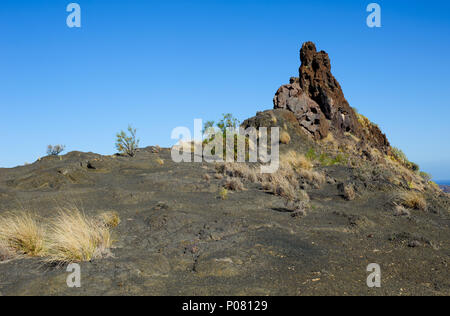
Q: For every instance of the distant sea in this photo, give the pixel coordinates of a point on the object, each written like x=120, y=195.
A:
x=443, y=182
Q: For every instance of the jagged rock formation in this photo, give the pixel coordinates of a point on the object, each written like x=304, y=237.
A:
x=318, y=102
x=309, y=115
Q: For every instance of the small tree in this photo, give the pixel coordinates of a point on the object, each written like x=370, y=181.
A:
x=228, y=123
x=55, y=150
x=127, y=144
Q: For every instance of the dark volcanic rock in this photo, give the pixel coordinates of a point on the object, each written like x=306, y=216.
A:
x=309, y=115
x=318, y=102
x=320, y=85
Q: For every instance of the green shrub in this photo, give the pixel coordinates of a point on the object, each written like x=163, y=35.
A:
x=311, y=154
x=400, y=156
x=227, y=124
x=55, y=150
x=127, y=144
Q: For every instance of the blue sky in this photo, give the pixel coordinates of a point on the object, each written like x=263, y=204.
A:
x=160, y=64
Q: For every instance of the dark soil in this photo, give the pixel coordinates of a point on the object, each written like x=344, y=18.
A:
x=177, y=237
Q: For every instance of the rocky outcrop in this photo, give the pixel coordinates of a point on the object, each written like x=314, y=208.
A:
x=318, y=102
x=308, y=113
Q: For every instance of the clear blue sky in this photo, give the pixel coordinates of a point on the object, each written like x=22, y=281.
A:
x=160, y=64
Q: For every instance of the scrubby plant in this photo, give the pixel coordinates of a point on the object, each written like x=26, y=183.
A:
x=426, y=176
x=223, y=193
x=22, y=234
x=311, y=154
x=55, y=150
x=228, y=124
x=399, y=156
x=127, y=144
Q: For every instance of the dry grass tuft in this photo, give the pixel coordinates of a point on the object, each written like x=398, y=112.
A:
x=73, y=237
x=234, y=184
x=411, y=200
x=347, y=191
x=283, y=183
x=109, y=219
x=296, y=160
x=237, y=170
x=159, y=161
x=22, y=234
x=285, y=138
x=315, y=178
x=400, y=210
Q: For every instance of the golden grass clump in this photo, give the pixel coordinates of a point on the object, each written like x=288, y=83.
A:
x=315, y=178
x=237, y=170
x=109, y=219
x=411, y=200
x=296, y=160
x=285, y=138
x=160, y=162
x=234, y=184
x=73, y=237
x=284, y=188
x=22, y=234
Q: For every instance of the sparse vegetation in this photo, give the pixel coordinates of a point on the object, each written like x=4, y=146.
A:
x=127, y=144
x=223, y=193
x=426, y=176
x=237, y=170
x=411, y=200
x=399, y=156
x=347, y=191
x=311, y=155
x=400, y=210
x=285, y=138
x=69, y=237
x=296, y=160
x=159, y=161
x=234, y=184
x=22, y=234
x=73, y=237
x=109, y=219
x=55, y=150
x=6, y=253
x=228, y=124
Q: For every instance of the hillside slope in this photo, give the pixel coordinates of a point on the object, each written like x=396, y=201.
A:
x=341, y=200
